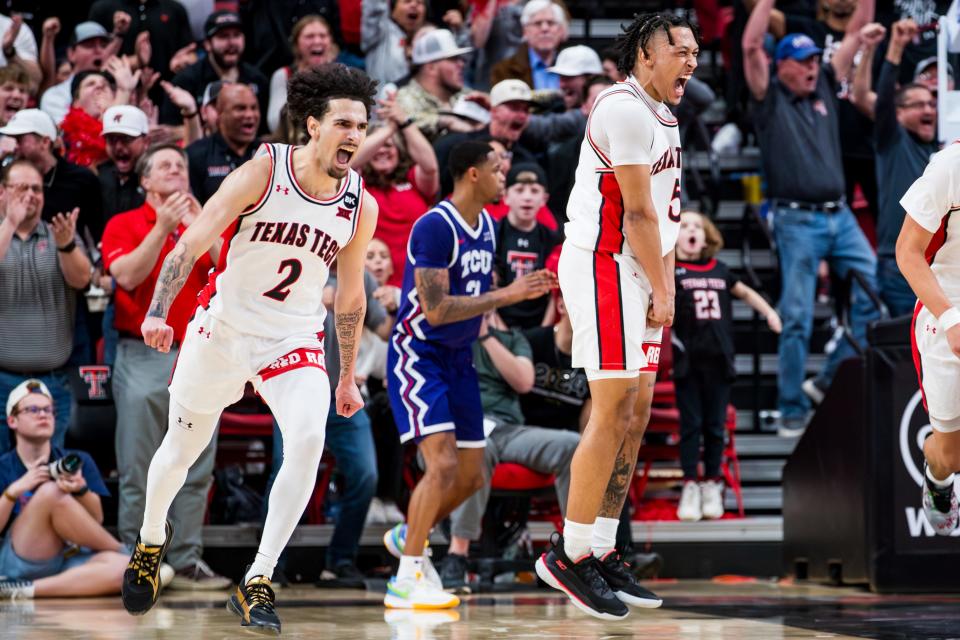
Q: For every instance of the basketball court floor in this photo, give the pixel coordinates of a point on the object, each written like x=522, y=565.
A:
x=692, y=609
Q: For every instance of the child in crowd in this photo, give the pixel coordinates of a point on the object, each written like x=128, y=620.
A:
x=372, y=369
x=704, y=358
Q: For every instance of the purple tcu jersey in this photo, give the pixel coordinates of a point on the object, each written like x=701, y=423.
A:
x=442, y=239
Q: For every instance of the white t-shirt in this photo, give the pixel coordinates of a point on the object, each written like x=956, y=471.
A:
x=626, y=127
x=933, y=201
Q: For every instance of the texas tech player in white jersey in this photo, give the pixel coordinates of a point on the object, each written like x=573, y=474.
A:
x=287, y=238
x=605, y=290
x=933, y=202
x=626, y=126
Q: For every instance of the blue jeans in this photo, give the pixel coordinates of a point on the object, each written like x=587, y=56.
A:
x=351, y=442
x=896, y=293
x=803, y=239
x=110, y=334
x=59, y=387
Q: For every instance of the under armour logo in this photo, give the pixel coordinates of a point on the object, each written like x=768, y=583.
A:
x=344, y=213
x=203, y=332
x=285, y=190
x=186, y=425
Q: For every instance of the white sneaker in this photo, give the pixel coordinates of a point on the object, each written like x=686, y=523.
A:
x=375, y=514
x=813, y=391
x=689, y=508
x=711, y=497
x=391, y=512
x=166, y=575
x=417, y=593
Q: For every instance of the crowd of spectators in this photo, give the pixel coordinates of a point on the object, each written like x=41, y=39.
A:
x=129, y=114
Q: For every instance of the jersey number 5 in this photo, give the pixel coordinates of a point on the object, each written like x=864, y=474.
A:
x=282, y=290
x=707, y=305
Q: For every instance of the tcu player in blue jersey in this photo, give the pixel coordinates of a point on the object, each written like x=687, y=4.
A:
x=433, y=385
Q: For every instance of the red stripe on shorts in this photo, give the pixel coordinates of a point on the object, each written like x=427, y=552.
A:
x=296, y=359
x=609, y=308
x=610, y=238
x=916, y=351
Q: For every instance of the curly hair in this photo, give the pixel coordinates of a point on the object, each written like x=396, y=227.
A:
x=637, y=34
x=310, y=91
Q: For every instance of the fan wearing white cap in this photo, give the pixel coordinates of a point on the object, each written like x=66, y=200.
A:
x=125, y=129
x=436, y=85
x=574, y=66
x=90, y=47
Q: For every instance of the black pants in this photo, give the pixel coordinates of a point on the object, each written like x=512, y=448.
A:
x=702, y=397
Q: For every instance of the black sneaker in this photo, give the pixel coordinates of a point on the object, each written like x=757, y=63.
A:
x=453, y=573
x=582, y=582
x=254, y=603
x=344, y=575
x=141, y=580
x=618, y=575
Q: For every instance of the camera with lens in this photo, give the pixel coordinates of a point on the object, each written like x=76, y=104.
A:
x=67, y=465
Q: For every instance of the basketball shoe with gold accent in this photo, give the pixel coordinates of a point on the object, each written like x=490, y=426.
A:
x=254, y=603
x=141, y=580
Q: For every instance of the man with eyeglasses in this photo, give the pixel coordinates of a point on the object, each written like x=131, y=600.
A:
x=905, y=138
x=42, y=265
x=51, y=512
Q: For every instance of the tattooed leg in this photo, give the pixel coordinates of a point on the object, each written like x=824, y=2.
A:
x=626, y=461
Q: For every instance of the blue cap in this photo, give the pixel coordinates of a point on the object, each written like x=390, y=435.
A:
x=798, y=46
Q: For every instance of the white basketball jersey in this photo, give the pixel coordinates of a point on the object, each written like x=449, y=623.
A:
x=277, y=255
x=626, y=126
x=932, y=201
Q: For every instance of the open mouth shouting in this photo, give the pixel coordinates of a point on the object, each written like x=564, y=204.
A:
x=680, y=85
x=345, y=155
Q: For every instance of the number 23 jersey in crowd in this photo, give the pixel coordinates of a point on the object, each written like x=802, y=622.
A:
x=276, y=256
x=703, y=322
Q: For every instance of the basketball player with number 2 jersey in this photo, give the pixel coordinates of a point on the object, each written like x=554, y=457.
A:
x=928, y=254
x=285, y=216
x=616, y=274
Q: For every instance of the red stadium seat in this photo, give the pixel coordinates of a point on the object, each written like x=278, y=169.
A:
x=508, y=476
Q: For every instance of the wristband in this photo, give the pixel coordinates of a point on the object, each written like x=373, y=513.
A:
x=187, y=116
x=67, y=248
x=9, y=496
x=79, y=493
x=949, y=318
x=10, y=53
x=406, y=123
x=484, y=338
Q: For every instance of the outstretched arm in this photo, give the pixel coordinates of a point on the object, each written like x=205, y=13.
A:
x=433, y=289
x=239, y=190
x=759, y=304
x=756, y=69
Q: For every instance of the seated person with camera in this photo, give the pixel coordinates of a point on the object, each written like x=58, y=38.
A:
x=50, y=511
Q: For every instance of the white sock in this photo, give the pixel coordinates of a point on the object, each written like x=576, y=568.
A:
x=576, y=539
x=410, y=566
x=604, y=536
x=263, y=565
x=168, y=470
x=940, y=483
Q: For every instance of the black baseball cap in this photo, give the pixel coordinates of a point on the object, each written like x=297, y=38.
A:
x=527, y=172
x=219, y=20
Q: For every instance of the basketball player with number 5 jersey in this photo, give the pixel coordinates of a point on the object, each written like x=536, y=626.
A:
x=285, y=216
x=616, y=274
x=928, y=254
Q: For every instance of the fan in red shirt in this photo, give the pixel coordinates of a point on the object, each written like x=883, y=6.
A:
x=400, y=170
x=134, y=246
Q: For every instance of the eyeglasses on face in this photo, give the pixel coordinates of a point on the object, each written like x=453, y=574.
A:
x=36, y=411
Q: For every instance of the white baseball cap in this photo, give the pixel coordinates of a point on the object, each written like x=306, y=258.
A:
x=24, y=389
x=577, y=61
x=438, y=44
x=31, y=121
x=469, y=110
x=510, y=90
x=127, y=120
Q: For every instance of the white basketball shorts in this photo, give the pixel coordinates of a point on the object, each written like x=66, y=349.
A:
x=938, y=369
x=607, y=297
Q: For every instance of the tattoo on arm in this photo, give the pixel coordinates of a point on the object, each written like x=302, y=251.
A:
x=348, y=328
x=173, y=274
x=617, y=487
x=433, y=289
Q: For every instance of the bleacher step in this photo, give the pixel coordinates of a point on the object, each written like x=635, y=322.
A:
x=764, y=444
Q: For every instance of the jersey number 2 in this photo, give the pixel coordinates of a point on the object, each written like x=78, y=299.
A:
x=282, y=290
